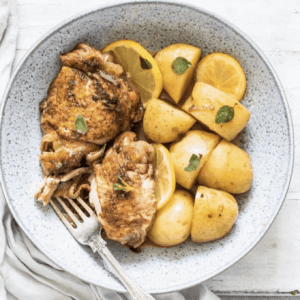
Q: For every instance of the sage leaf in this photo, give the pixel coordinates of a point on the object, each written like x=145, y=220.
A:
x=145, y=64
x=194, y=163
x=80, y=124
x=224, y=115
x=180, y=65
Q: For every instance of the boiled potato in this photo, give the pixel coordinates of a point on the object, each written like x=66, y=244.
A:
x=228, y=168
x=214, y=214
x=172, y=225
x=204, y=105
x=164, y=122
x=196, y=142
x=176, y=84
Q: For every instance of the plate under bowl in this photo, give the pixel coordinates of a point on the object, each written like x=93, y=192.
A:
x=268, y=138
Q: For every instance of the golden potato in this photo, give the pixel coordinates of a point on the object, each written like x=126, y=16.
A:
x=204, y=105
x=176, y=84
x=228, y=168
x=196, y=142
x=172, y=225
x=214, y=214
x=164, y=122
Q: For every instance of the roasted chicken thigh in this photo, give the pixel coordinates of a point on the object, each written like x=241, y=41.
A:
x=107, y=109
x=126, y=215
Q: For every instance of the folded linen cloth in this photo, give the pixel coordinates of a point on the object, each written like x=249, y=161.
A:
x=25, y=272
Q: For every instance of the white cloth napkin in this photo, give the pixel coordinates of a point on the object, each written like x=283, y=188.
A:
x=25, y=273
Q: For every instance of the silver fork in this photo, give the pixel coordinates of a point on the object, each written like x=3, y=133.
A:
x=88, y=233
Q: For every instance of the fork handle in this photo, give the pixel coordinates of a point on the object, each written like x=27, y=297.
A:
x=137, y=293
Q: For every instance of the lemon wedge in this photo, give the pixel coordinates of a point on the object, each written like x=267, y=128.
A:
x=222, y=72
x=141, y=66
x=165, y=175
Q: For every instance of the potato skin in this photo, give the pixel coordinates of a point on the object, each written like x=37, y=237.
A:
x=204, y=105
x=164, y=122
x=194, y=142
x=176, y=84
x=228, y=168
x=172, y=225
x=214, y=214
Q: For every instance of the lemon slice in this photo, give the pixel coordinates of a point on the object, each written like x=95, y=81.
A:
x=139, y=63
x=222, y=72
x=165, y=175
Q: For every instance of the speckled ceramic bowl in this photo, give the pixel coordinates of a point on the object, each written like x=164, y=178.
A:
x=268, y=139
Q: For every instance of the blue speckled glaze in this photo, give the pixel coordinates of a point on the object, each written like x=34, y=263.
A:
x=268, y=138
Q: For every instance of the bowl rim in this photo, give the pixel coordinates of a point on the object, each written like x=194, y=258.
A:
x=224, y=22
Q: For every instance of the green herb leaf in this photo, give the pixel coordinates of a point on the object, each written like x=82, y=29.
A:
x=148, y=64
x=122, y=186
x=225, y=114
x=145, y=64
x=180, y=65
x=119, y=187
x=74, y=197
x=193, y=163
x=295, y=292
x=104, y=148
x=80, y=124
x=89, y=73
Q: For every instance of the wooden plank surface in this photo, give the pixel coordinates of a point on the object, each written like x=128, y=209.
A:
x=274, y=25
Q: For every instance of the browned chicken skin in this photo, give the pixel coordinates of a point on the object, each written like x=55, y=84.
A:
x=127, y=216
x=107, y=109
x=86, y=58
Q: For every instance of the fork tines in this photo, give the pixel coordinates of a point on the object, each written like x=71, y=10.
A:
x=71, y=219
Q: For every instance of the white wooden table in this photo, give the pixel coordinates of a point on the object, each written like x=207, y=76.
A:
x=273, y=267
